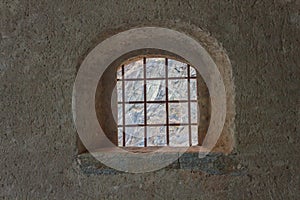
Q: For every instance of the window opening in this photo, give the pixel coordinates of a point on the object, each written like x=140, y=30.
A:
x=157, y=103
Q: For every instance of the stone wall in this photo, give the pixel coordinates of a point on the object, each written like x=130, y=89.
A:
x=42, y=44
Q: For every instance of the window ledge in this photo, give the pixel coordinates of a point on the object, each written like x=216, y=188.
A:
x=212, y=163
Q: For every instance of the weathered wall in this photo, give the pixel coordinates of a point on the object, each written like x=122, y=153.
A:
x=42, y=43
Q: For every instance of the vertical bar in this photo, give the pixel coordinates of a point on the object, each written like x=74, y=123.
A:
x=167, y=102
x=123, y=104
x=145, y=103
x=189, y=104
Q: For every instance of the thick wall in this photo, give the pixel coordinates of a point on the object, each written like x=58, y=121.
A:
x=42, y=44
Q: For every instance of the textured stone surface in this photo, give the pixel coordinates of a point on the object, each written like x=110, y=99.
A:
x=213, y=163
x=42, y=44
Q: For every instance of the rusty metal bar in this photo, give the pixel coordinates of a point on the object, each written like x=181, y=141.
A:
x=159, y=102
x=154, y=79
x=145, y=102
x=123, y=105
x=189, y=105
x=172, y=124
x=167, y=102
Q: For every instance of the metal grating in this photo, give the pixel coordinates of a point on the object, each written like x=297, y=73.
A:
x=167, y=123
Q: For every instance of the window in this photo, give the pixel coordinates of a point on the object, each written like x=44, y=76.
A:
x=95, y=100
x=157, y=103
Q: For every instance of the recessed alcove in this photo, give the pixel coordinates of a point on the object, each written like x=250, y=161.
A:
x=106, y=107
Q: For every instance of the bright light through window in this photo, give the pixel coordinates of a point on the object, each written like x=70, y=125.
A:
x=157, y=103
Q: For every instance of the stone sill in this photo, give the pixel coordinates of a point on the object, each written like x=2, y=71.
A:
x=212, y=163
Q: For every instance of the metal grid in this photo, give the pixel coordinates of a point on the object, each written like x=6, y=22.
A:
x=166, y=102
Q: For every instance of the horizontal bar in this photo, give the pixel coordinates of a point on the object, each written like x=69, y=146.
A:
x=173, y=124
x=154, y=79
x=171, y=101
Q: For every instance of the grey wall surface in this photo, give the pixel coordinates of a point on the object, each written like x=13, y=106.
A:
x=43, y=42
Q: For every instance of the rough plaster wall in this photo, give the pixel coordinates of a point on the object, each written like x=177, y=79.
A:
x=41, y=44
